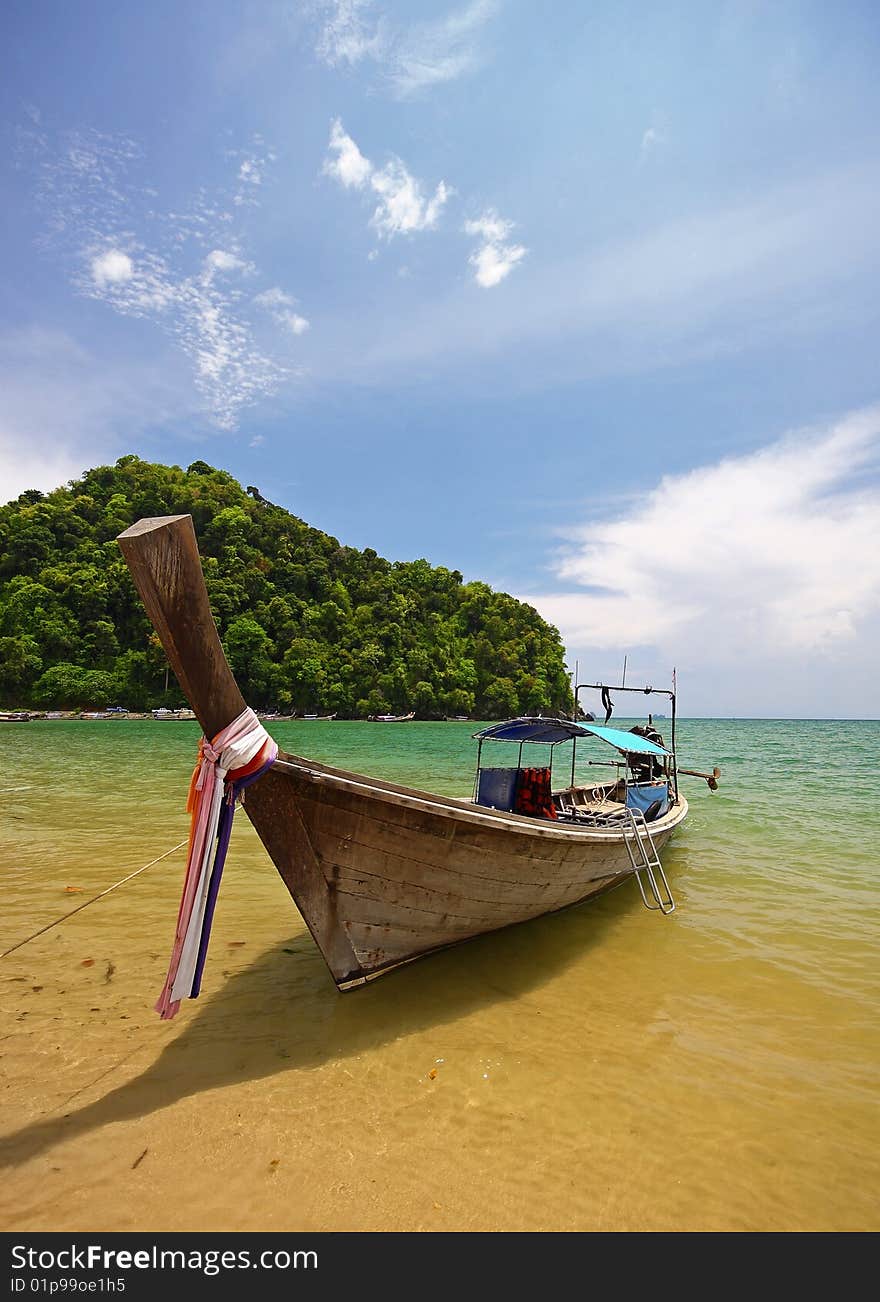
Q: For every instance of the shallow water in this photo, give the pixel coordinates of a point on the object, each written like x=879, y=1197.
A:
x=604, y=1068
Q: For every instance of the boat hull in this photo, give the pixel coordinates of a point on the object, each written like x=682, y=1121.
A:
x=383, y=874
x=380, y=873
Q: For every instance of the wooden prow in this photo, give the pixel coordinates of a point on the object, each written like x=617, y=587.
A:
x=163, y=557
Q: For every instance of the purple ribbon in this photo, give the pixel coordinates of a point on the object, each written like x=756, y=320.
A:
x=224, y=831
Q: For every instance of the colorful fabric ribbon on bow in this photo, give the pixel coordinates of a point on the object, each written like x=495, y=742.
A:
x=231, y=761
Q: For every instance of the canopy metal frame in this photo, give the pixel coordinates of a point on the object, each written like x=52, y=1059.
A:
x=526, y=741
x=572, y=730
x=644, y=691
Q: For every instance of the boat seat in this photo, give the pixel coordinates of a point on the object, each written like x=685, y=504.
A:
x=496, y=788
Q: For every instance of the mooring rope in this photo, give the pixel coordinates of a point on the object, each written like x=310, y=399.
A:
x=95, y=898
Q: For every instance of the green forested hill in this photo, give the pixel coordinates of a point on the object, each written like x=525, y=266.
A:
x=306, y=622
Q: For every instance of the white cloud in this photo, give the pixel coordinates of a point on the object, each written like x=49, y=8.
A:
x=250, y=172
x=140, y=287
x=431, y=53
x=252, y=168
x=273, y=298
x=403, y=208
x=345, y=36
x=223, y=260
x=495, y=258
x=349, y=166
x=280, y=306
x=792, y=264
x=410, y=58
x=179, y=267
x=196, y=310
x=112, y=267
x=773, y=555
x=652, y=139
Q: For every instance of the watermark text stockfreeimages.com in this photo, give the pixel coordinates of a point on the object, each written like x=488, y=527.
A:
x=95, y=1257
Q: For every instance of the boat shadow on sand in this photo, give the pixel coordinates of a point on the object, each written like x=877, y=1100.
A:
x=282, y=1014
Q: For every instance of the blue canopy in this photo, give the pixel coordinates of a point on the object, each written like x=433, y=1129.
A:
x=628, y=741
x=552, y=731
x=549, y=731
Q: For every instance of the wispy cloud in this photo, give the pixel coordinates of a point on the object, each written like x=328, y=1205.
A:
x=345, y=162
x=349, y=32
x=411, y=58
x=222, y=260
x=495, y=257
x=429, y=54
x=252, y=166
x=111, y=268
x=771, y=555
x=653, y=139
x=184, y=270
x=796, y=261
x=403, y=207
x=280, y=307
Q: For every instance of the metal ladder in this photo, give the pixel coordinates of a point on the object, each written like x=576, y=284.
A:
x=644, y=859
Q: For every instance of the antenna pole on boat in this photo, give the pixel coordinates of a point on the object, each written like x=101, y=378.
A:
x=674, y=753
x=623, y=679
x=574, y=718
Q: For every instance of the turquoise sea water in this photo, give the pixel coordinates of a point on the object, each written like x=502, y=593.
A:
x=605, y=1068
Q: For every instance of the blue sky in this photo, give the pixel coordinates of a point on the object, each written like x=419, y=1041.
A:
x=579, y=299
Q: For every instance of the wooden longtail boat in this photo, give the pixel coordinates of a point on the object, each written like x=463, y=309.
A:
x=384, y=873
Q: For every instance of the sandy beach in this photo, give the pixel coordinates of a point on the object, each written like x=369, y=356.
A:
x=599, y=1069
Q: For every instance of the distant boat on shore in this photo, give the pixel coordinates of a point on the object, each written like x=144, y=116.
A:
x=391, y=718
x=15, y=716
x=175, y=716
x=321, y=718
